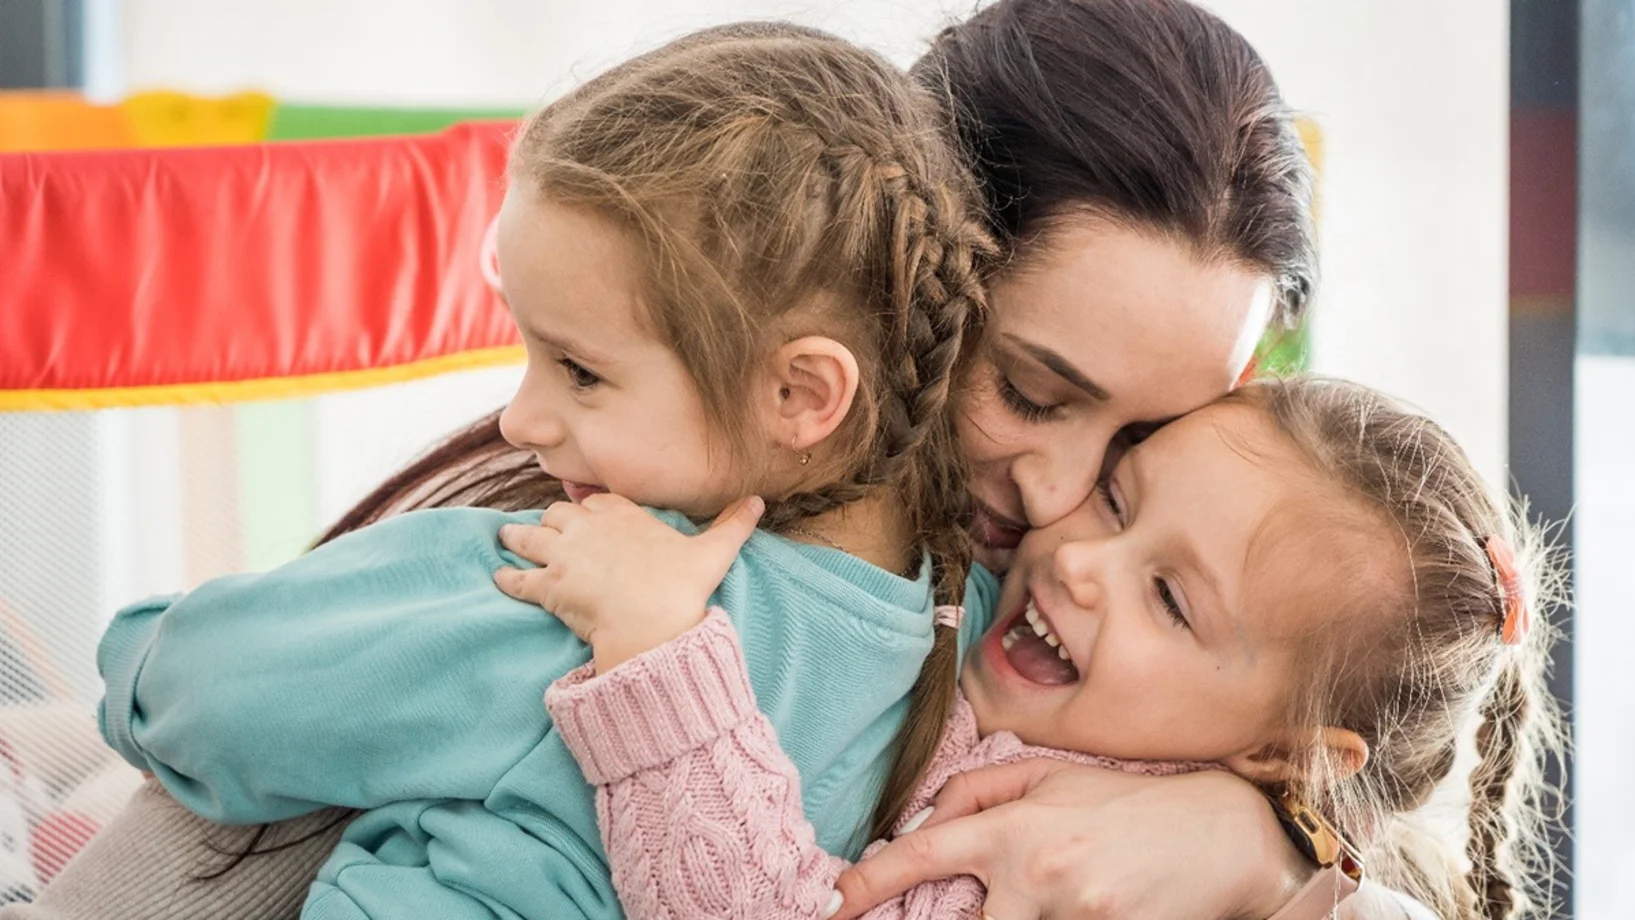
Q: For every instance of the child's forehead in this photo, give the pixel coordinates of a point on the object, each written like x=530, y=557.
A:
x=1297, y=541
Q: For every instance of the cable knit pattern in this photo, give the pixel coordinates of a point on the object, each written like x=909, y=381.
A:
x=700, y=809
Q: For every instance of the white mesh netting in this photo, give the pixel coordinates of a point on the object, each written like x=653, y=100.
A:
x=98, y=509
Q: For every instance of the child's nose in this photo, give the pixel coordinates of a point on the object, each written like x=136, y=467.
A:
x=529, y=422
x=1081, y=567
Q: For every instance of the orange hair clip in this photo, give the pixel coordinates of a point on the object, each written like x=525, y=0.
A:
x=1250, y=371
x=1518, y=619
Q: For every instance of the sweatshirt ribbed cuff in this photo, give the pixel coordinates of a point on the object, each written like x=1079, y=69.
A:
x=657, y=706
x=120, y=655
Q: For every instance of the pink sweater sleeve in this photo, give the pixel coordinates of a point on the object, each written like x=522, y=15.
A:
x=700, y=809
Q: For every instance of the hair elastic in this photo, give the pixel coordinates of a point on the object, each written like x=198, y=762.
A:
x=1518, y=618
x=949, y=616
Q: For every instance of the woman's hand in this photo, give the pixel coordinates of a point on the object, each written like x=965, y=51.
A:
x=621, y=579
x=1055, y=840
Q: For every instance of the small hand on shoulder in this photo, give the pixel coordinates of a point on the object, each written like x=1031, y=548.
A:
x=621, y=579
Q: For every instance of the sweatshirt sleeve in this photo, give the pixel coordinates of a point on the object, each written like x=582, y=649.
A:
x=700, y=810
x=382, y=667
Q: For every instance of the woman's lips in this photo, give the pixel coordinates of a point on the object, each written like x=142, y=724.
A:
x=990, y=528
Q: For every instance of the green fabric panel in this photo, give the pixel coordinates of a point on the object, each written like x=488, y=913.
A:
x=299, y=122
x=1285, y=351
x=278, y=500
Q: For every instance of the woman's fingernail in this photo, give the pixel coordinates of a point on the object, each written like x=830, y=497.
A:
x=835, y=900
x=756, y=506
x=506, y=530
x=913, y=824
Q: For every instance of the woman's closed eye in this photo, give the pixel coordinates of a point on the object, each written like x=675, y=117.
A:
x=1111, y=499
x=578, y=376
x=1019, y=403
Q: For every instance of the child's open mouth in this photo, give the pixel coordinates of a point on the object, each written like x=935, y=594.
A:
x=578, y=491
x=1035, y=651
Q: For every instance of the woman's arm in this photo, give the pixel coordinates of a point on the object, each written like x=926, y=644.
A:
x=380, y=667
x=155, y=860
x=1059, y=840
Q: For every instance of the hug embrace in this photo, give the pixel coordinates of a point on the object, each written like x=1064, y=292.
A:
x=889, y=523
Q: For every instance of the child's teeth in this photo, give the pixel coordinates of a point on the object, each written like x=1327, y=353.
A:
x=1062, y=652
x=1052, y=641
x=1006, y=641
x=1032, y=616
x=1039, y=627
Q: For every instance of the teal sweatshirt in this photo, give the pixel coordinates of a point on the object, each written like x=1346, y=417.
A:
x=384, y=671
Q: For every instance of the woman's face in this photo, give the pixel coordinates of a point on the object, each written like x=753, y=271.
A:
x=1101, y=330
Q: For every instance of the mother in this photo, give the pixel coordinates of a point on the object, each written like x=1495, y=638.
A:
x=1144, y=171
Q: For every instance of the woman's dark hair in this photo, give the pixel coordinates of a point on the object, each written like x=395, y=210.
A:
x=1150, y=113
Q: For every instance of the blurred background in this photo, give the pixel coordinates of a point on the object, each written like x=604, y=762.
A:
x=1477, y=220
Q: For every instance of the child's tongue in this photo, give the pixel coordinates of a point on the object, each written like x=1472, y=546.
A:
x=1036, y=659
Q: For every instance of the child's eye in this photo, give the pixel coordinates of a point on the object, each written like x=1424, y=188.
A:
x=1029, y=410
x=1166, y=596
x=578, y=376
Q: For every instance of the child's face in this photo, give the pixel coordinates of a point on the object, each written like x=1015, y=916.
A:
x=604, y=405
x=1164, y=589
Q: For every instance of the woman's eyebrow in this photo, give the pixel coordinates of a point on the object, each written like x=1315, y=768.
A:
x=1063, y=367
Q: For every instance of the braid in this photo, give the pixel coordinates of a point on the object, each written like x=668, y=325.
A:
x=1427, y=653
x=1500, y=745
x=935, y=249
x=781, y=183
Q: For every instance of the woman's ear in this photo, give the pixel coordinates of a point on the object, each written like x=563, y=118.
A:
x=1284, y=760
x=815, y=381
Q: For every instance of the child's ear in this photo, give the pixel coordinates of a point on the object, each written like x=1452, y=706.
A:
x=814, y=381
x=1287, y=759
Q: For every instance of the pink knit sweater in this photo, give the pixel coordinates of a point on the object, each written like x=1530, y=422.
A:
x=699, y=807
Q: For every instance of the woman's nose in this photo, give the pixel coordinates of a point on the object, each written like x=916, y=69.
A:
x=1056, y=480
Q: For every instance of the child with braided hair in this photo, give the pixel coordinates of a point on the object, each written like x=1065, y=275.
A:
x=744, y=264
x=1304, y=584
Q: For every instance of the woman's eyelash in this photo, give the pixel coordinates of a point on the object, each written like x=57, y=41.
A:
x=1171, y=605
x=577, y=374
x=1021, y=405
x=1104, y=491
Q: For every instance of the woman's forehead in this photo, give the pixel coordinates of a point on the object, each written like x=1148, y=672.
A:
x=1167, y=328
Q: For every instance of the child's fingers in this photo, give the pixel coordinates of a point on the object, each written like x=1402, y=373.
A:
x=734, y=526
x=531, y=543
x=531, y=586
x=606, y=501
x=560, y=514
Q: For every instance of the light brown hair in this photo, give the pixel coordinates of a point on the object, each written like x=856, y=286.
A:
x=1415, y=659
x=779, y=182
